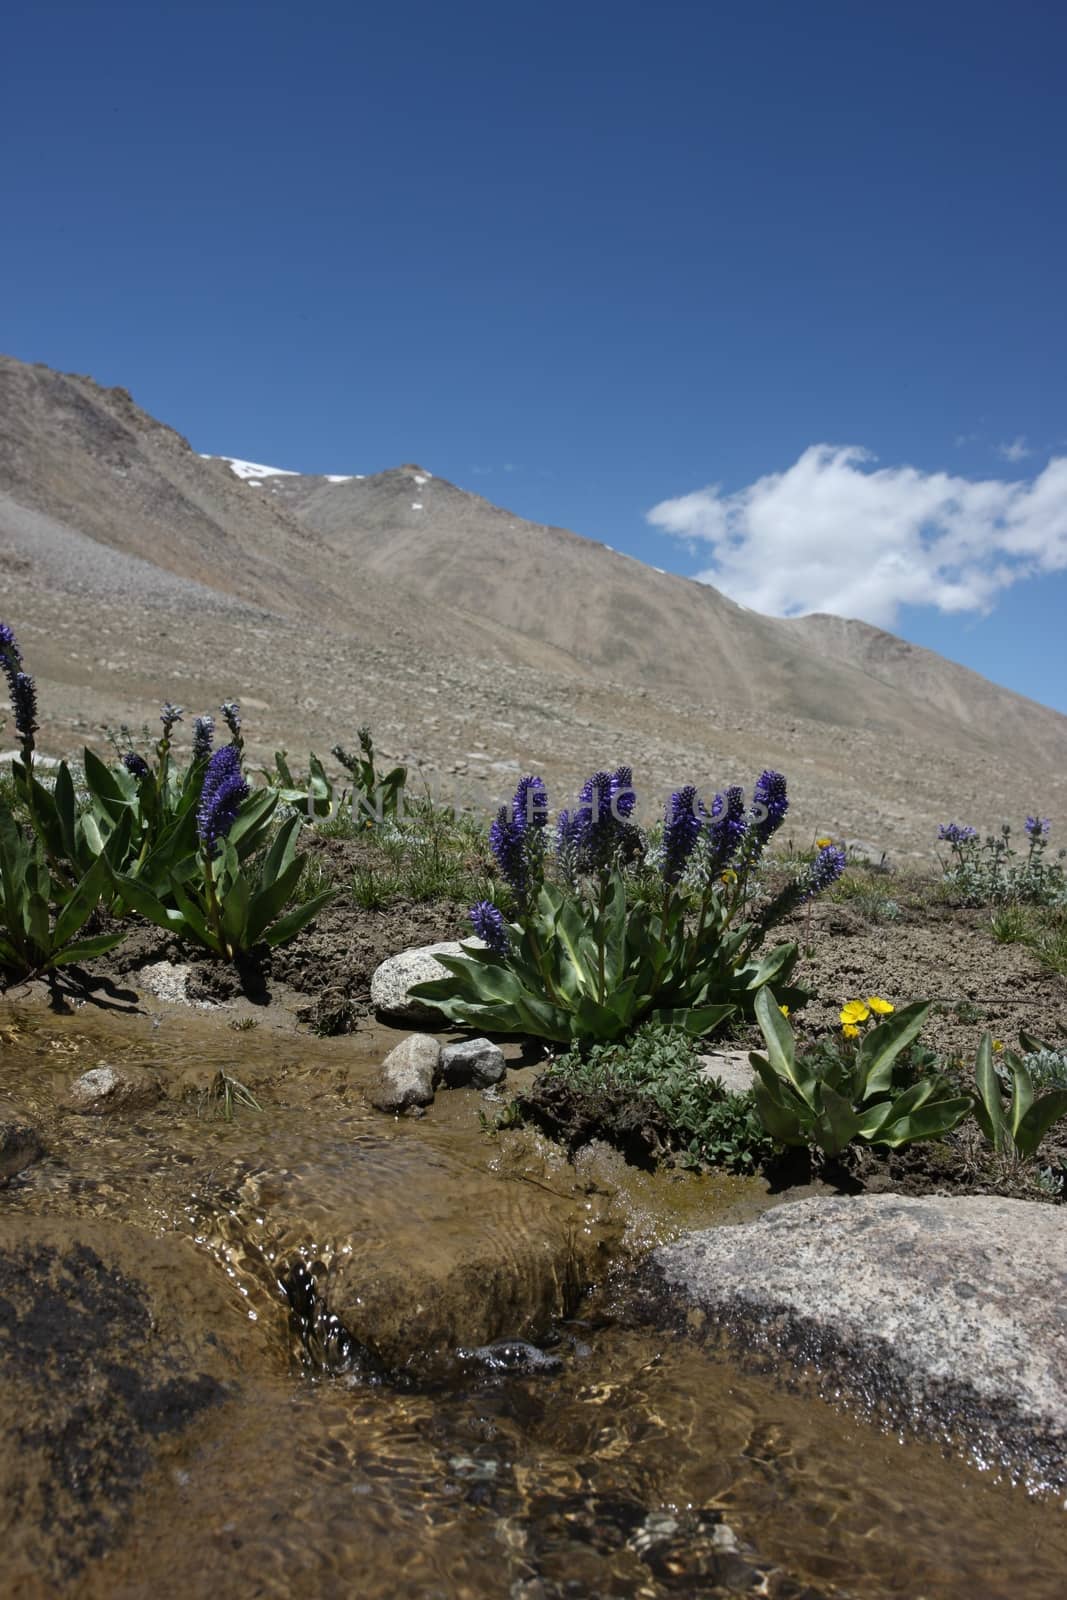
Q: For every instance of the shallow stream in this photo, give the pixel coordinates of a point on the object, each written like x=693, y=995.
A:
x=639, y=1466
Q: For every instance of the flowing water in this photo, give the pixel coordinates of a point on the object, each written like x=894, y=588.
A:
x=359, y=1454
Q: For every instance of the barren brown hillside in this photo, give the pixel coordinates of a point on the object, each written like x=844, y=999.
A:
x=474, y=642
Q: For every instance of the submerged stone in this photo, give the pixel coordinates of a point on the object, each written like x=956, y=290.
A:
x=106, y=1088
x=407, y=1075
x=477, y=1063
x=20, y=1143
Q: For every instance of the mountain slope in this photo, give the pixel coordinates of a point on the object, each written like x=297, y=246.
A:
x=475, y=642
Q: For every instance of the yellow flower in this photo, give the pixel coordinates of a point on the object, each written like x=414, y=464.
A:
x=882, y=1007
x=998, y=1044
x=850, y=1031
x=729, y=876
x=784, y=1010
x=821, y=844
x=854, y=1012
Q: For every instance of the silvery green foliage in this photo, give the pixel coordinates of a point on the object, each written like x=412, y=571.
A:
x=1047, y=1068
x=992, y=872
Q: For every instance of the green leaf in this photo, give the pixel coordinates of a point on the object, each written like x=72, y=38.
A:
x=1039, y=1119
x=882, y=1045
x=87, y=949
x=291, y=925
x=988, y=1108
x=83, y=902
x=838, y=1124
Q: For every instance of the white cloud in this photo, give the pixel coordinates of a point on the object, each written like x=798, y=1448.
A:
x=1017, y=450
x=834, y=533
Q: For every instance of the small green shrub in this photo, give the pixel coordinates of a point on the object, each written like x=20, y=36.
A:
x=655, y=1074
x=32, y=940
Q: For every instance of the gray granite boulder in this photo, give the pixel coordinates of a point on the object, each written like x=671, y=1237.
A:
x=948, y=1316
x=474, y=1062
x=407, y=1075
x=390, y=985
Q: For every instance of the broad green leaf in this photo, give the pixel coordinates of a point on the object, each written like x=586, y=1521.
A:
x=290, y=925
x=83, y=902
x=1039, y=1119
x=882, y=1045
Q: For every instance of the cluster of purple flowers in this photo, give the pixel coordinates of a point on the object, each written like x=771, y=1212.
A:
x=725, y=829
x=956, y=833
x=22, y=688
x=825, y=870
x=135, y=764
x=516, y=837
x=221, y=796
x=769, y=805
x=1037, y=828
x=598, y=830
x=681, y=830
x=488, y=923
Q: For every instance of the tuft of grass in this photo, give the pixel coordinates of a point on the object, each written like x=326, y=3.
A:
x=432, y=854
x=867, y=899
x=226, y=1094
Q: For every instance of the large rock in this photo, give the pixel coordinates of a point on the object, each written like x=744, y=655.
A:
x=476, y=1063
x=390, y=985
x=948, y=1316
x=407, y=1075
x=106, y=1088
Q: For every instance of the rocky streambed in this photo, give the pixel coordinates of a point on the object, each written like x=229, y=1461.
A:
x=259, y=1336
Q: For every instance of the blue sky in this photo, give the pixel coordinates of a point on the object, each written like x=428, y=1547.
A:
x=590, y=260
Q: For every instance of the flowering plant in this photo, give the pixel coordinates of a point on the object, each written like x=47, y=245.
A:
x=587, y=956
x=992, y=871
x=849, y=1094
x=214, y=900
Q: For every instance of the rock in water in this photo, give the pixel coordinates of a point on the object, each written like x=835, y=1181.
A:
x=945, y=1315
x=407, y=1075
x=474, y=1062
x=106, y=1088
x=20, y=1143
x=395, y=977
x=512, y=1355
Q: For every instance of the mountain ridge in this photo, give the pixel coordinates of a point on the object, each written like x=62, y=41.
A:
x=472, y=639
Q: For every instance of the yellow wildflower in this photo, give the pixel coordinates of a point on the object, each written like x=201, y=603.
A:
x=855, y=1011
x=784, y=1010
x=850, y=1031
x=998, y=1044
x=821, y=844
x=729, y=876
x=877, y=1004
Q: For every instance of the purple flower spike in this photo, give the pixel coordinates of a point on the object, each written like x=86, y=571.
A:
x=135, y=764
x=680, y=833
x=769, y=804
x=487, y=920
x=1037, y=827
x=221, y=796
x=827, y=867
